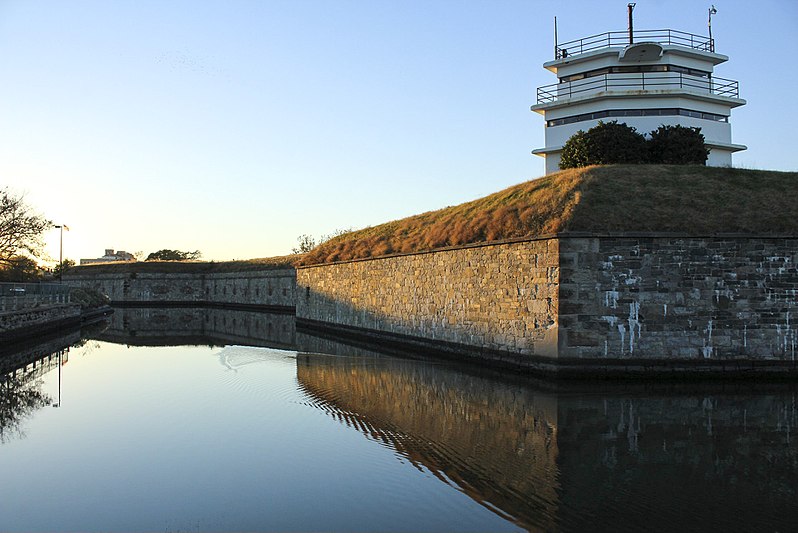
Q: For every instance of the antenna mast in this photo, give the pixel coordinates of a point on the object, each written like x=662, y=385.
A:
x=631, y=7
x=555, y=37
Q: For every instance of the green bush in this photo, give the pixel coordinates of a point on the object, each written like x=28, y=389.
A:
x=575, y=152
x=677, y=145
x=606, y=143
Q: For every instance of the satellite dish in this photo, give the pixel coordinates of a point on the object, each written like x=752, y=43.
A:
x=637, y=52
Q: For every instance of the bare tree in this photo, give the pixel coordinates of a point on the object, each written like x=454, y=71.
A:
x=21, y=228
x=306, y=244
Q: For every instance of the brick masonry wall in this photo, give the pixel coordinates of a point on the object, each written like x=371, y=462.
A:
x=269, y=288
x=678, y=298
x=498, y=297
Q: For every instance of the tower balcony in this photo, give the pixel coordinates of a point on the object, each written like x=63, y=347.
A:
x=633, y=83
x=621, y=38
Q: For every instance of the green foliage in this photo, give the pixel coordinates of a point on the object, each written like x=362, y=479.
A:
x=613, y=143
x=575, y=151
x=63, y=267
x=677, y=145
x=173, y=255
x=606, y=143
x=88, y=298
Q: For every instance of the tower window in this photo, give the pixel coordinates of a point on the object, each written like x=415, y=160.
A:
x=634, y=70
x=661, y=112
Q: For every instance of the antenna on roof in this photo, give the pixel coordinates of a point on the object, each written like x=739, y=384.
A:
x=712, y=11
x=555, y=37
x=631, y=7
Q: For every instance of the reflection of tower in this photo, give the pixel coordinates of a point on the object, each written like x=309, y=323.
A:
x=644, y=78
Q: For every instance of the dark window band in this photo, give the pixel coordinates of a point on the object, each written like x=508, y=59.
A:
x=664, y=112
x=635, y=69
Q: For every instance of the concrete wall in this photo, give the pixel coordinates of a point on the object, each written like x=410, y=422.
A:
x=498, y=297
x=267, y=289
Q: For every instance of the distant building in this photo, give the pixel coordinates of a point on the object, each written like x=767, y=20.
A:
x=109, y=257
x=644, y=79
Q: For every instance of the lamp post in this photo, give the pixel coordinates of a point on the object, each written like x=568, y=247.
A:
x=62, y=227
x=58, y=403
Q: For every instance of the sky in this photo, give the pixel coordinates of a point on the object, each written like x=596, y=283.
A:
x=233, y=127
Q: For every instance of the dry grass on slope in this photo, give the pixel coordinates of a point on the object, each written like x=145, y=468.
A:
x=694, y=200
x=181, y=267
x=537, y=207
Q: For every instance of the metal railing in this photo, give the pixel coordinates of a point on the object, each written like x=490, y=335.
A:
x=643, y=81
x=18, y=296
x=621, y=38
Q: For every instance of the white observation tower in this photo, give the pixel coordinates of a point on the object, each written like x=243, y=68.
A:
x=644, y=78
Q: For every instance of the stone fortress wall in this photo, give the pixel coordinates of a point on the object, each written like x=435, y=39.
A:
x=500, y=298
x=266, y=289
x=634, y=303
x=568, y=303
x=712, y=298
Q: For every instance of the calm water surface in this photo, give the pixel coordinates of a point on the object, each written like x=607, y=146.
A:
x=240, y=423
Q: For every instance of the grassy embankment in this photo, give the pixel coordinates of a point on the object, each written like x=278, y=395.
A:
x=185, y=266
x=694, y=200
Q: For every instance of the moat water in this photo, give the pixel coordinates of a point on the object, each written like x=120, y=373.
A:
x=209, y=420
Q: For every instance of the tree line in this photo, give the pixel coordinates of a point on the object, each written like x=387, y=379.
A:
x=22, y=246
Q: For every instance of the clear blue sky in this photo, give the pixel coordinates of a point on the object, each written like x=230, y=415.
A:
x=232, y=127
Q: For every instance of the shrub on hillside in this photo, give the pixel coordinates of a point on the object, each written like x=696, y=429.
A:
x=677, y=145
x=606, y=143
x=575, y=152
x=88, y=298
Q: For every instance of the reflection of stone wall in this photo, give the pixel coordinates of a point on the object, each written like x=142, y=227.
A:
x=494, y=441
x=38, y=357
x=201, y=325
x=708, y=462
x=268, y=288
x=499, y=297
x=709, y=458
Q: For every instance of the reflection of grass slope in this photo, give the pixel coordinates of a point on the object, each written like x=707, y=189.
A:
x=649, y=198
